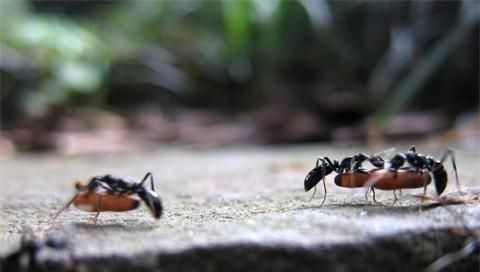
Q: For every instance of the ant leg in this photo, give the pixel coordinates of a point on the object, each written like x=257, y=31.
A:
x=91, y=187
x=367, y=191
x=374, y=199
x=149, y=174
x=323, y=174
x=65, y=207
x=99, y=207
x=314, y=191
x=318, y=160
x=325, y=194
x=424, y=196
x=324, y=185
x=395, y=175
x=385, y=152
x=151, y=182
x=451, y=154
x=323, y=160
x=395, y=197
x=95, y=219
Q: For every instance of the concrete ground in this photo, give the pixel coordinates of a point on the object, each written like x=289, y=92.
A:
x=237, y=208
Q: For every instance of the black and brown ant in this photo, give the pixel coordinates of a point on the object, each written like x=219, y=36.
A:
x=29, y=256
x=349, y=170
x=420, y=163
x=395, y=177
x=417, y=174
x=110, y=193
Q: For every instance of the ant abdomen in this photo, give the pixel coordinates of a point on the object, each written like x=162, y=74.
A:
x=352, y=180
x=313, y=177
x=440, y=177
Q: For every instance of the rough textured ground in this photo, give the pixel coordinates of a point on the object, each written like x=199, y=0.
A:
x=236, y=209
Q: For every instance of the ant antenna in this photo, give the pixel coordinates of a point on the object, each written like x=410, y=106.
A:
x=386, y=152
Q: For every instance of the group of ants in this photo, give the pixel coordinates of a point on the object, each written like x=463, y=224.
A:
x=405, y=170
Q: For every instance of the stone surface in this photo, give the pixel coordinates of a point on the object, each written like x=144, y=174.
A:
x=237, y=208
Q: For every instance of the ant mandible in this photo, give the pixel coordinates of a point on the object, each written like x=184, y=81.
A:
x=349, y=168
x=110, y=193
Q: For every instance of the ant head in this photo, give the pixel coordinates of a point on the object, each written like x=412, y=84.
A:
x=336, y=164
x=79, y=185
x=152, y=200
x=412, y=152
x=432, y=163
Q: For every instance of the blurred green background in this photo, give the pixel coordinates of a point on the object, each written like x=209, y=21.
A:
x=236, y=71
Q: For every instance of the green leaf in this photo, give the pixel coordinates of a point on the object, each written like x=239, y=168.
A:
x=79, y=76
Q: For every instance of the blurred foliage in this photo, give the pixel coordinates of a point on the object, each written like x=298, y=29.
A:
x=328, y=57
x=469, y=17
x=59, y=57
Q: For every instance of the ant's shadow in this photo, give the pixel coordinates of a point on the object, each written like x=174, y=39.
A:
x=115, y=226
x=372, y=208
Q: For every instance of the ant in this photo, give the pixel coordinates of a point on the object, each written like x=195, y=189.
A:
x=422, y=163
x=349, y=170
x=110, y=193
x=27, y=257
x=417, y=174
x=352, y=175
